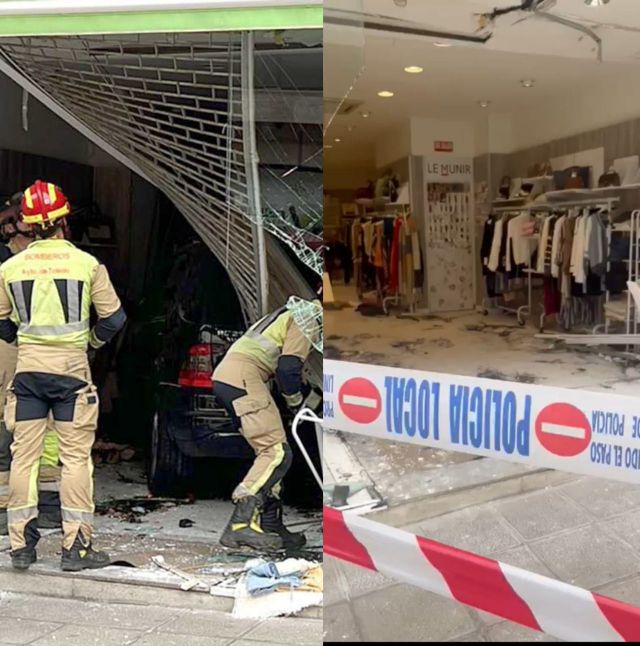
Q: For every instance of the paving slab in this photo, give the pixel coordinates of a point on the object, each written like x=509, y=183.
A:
x=154, y=639
x=158, y=626
x=509, y=632
x=542, y=513
x=340, y=624
x=14, y=630
x=586, y=557
x=73, y=635
x=137, y=617
x=308, y=632
x=472, y=529
x=207, y=625
x=391, y=615
x=603, y=498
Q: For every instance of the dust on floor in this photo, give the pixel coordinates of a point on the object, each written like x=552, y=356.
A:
x=469, y=344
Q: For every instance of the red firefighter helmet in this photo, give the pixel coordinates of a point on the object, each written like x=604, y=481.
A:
x=44, y=203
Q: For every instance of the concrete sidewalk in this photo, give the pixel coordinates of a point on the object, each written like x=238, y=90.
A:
x=44, y=621
x=585, y=532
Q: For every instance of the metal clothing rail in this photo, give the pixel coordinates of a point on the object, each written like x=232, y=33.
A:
x=526, y=310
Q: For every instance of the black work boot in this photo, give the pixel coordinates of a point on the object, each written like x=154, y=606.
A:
x=272, y=522
x=82, y=556
x=49, y=513
x=22, y=558
x=4, y=523
x=244, y=528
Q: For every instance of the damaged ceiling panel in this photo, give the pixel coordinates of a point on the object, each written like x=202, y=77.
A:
x=171, y=107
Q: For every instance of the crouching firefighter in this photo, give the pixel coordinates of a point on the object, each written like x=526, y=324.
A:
x=16, y=236
x=274, y=346
x=46, y=293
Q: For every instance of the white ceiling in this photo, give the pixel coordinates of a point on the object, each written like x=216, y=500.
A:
x=562, y=61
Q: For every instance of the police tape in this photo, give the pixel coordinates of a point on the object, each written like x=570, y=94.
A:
x=595, y=434
x=523, y=597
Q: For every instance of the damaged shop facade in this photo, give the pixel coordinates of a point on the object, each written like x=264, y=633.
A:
x=189, y=143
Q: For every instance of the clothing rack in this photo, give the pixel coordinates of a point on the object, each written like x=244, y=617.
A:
x=386, y=214
x=524, y=310
x=395, y=299
x=548, y=207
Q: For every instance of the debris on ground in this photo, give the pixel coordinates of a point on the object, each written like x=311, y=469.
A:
x=112, y=453
x=520, y=377
x=133, y=510
x=277, y=588
x=442, y=343
x=407, y=345
x=500, y=330
x=189, y=581
x=337, y=305
x=424, y=317
x=185, y=522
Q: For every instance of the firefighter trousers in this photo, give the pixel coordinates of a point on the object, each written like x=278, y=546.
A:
x=49, y=475
x=241, y=386
x=56, y=382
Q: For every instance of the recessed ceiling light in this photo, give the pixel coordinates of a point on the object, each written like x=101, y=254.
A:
x=413, y=69
x=337, y=140
x=328, y=146
x=527, y=83
x=351, y=128
x=385, y=94
x=484, y=104
x=440, y=44
x=365, y=115
x=595, y=3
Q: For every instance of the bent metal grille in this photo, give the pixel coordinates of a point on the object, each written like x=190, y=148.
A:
x=172, y=104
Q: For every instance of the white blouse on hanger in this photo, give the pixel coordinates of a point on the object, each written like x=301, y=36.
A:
x=578, y=251
x=496, y=242
x=555, y=247
x=521, y=245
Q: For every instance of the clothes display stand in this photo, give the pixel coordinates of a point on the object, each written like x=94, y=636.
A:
x=535, y=271
x=521, y=312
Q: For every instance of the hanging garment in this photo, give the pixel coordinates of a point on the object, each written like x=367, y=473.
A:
x=577, y=251
x=596, y=245
x=552, y=296
x=555, y=247
x=519, y=248
x=408, y=257
x=496, y=242
x=548, y=249
x=488, y=232
x=566, y=244
x=377, y=247
x=395, y=256
x=542, y=245
x=367, y=235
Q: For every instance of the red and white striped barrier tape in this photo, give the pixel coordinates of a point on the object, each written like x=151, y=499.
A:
x=526, y=598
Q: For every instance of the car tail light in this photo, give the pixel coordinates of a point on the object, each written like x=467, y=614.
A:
x=197, y=371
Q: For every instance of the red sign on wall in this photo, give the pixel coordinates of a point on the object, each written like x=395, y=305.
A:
x=443, y=146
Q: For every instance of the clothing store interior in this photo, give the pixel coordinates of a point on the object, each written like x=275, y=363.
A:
x=482, y=188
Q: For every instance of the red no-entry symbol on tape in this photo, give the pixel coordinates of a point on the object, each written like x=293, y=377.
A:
x=563, y=430
x=360, y=400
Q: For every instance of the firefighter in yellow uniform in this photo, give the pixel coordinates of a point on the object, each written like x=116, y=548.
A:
x=17, y=237
x=274, y=346
x=46, y=294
